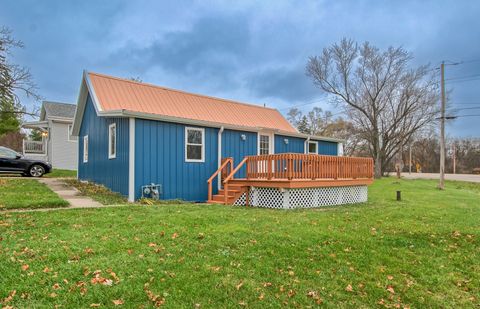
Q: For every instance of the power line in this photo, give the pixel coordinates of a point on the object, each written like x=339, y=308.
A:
x=470, y=61
x=463, y=80
x=464, y=108
x=301, y=104
x=459, y=103
x=462, y=77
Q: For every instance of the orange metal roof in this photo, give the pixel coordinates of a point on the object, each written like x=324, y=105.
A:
x=114, y=93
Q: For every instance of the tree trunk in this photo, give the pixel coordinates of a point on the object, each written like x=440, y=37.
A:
x=378, y=165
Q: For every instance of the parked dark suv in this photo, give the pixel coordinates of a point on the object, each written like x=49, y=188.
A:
x=13, y=162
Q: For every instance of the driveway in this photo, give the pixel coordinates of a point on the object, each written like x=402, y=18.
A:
x=458, y=177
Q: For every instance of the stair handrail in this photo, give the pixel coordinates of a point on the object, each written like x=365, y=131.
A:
x=210, y=180
x=230, y=176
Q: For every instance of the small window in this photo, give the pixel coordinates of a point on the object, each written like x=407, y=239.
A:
x=194, y=145
x=112, y=141
x=312, y=147
x=70, y=138
x=85, y=149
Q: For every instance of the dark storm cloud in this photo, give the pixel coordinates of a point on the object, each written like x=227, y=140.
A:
x=212, y=48
x=252, y=51
x=286, y=83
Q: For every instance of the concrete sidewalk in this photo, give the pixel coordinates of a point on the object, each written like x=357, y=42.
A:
x=457, y=177
x=69, y=193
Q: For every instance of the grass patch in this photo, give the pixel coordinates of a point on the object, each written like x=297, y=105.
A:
x=59, y=173
x=98, y=193
x=422, y=252
x=27, y=193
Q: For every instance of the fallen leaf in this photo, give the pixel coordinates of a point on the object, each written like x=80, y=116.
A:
x=152, y=244
x=291, y=293
x=9, y=297
x=239, y=285
x=117, y=302
x=312, y=294
x=267, y=284
x=94, y=305
x=390, y=289
x=25, y=267
x=53, y=295
x=88, y=250
x=389, y=277
x=174, y=235
x=262, y=296
x=201, y=236
x=46, y=270
x=349, y=288
x=56, y=286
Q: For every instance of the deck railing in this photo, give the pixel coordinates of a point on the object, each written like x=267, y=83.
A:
x=226, y=166
x=33, y=147
x=307, y=166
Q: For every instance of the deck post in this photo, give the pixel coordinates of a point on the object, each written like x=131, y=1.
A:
x=290, y=167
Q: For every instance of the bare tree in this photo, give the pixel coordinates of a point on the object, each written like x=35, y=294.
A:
x=385, y=99
x=323, y=123
x=15, y=80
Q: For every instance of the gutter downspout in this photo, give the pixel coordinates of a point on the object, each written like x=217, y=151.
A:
x=305, y=145
x=219, y=182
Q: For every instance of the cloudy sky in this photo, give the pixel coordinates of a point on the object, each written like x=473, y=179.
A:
x=240, y=50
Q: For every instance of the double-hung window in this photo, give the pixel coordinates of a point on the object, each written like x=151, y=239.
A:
x=85, y=149
x=312, y=147
x=194, y=144
x=112, y=141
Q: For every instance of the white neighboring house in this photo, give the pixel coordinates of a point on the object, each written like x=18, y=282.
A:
x=58, y=146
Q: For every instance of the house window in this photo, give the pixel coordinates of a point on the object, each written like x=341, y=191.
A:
x=85, y=149
x=70, y=138
x=313, y=147
x=264, y=144
x=112, y=141
x=194, y=145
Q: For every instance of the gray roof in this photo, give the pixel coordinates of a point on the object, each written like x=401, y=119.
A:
x=56, y=109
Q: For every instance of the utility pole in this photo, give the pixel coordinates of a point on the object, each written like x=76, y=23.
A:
x=441, y=184
x=454, y=158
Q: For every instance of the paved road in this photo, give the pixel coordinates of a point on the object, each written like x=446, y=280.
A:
x=458, y=177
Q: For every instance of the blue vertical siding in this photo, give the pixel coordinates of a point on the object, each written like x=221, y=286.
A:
x=295, y=144
x=160, y=158
x=327, y=148
x=234, y=146
x=112, y=173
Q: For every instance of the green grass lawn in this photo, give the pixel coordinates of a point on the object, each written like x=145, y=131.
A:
x=422, y=252
x=27, y=193
x=59, y=173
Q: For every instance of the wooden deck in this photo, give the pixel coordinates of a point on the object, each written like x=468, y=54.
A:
x=299, y=183
x=290, y=171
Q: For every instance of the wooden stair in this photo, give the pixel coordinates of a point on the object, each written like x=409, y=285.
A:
x=234, y=192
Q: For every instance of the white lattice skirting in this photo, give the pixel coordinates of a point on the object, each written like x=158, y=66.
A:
x=304, y=197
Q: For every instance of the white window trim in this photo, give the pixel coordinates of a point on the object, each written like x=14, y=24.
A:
x=114, y=154
x=85, y=149
x=69, y=133
x=271, y=139
x=308, y=147
x=203, y=144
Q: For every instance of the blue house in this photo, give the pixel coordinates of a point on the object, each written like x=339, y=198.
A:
x=131, y=134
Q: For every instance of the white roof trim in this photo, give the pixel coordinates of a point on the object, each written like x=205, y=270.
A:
x=85, y=88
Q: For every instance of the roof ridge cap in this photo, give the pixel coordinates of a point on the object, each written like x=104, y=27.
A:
x=182, y=91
